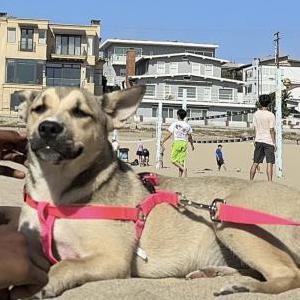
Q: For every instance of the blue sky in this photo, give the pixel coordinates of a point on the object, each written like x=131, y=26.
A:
x=243, y=29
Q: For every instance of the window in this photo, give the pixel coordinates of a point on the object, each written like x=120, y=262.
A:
x=63, y=75
x=122, y=72
x=160, y=67
x=42, y=36
x=68, y=45
x=196, y=68
x=173, y=68
x=207, y=94
x=167, y=112
x=249, y=89
x=190, y=92
x=150, y=90
x=11, y=35
x=154, y=112
x=24, y=71
x=204, y=53
x=26, y=43
x=167, y=92
x=225, y=94
x=122, y=51
x=90, y=45
x=208, y=70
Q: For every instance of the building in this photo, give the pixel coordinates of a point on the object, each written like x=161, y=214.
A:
x=35, y=54
x=260, y=76
x=114, y=52
x=193, y=78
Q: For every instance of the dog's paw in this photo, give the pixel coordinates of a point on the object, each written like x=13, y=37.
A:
x=211, y=272
x=51, y=290
x=233, y=289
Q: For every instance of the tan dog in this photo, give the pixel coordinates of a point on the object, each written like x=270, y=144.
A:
x=72, y=162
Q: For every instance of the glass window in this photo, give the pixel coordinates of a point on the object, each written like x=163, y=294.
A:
x=26, y=43
x=67, y=45
x=58, y=44
x=11, y=35
x=225, y=94
x=150, y=90
x=90, y=45
x=42, y=36
x=71, y=45
x=63, y=75
x=77, y=45
x=154, y=112
x=196, y=68
x=190, y=92
x=24, y=71
x=209, y=70
x=64, y=45
x=173, y=68
x=160, y=67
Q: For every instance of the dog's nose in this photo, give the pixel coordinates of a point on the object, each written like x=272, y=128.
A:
x=50, y=129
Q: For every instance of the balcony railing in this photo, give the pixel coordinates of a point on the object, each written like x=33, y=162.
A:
x=27, y=46
x=62, y=82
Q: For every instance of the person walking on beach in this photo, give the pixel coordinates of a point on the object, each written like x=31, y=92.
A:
x=220, y=158
x=181, y=132
x=264, y=125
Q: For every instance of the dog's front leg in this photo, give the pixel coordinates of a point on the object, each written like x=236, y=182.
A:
x=68, y=274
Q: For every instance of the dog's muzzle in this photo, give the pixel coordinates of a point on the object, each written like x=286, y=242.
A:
x=52, y=143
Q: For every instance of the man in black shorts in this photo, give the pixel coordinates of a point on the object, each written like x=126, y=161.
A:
x=264, y=125
x=146, y=157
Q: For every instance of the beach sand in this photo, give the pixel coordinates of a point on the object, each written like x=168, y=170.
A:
x=201, y=162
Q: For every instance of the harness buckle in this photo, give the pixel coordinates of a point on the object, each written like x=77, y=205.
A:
x=213, y=209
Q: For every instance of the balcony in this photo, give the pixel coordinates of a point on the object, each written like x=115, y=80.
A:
x=62, y=82
x=79, y=55
x=27, y=46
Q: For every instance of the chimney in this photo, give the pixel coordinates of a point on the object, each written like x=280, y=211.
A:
x=95, y=22
x=130, y=65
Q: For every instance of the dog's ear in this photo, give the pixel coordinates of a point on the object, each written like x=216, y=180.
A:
x=25, y=98
x=120, y=105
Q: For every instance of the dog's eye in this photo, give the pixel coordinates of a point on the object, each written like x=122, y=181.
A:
x=78, y=113
x=39, y=109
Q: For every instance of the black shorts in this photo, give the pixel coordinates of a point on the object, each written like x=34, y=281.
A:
x=220, y=162
x=263, y=150
x=139, y=153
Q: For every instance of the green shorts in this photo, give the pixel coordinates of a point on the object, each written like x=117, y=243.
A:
x=179, y=152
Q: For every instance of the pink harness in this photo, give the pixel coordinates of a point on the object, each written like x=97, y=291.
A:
x=47, y=213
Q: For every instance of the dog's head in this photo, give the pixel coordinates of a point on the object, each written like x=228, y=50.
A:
x=65, y=124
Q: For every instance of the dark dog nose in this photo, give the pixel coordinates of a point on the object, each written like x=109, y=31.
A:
x=50, y=129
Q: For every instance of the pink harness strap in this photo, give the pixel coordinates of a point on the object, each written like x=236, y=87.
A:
x=235, y=214
x=47, y=215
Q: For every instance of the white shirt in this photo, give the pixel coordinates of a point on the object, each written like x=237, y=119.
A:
x=180, y=130
x=263, y=121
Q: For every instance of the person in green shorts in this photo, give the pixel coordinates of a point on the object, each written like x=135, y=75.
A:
x=181, y=132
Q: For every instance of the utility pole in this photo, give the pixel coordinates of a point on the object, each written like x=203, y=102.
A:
x=158, y=133
x=278, y=109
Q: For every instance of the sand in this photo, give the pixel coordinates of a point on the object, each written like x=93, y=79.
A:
x=201, y=162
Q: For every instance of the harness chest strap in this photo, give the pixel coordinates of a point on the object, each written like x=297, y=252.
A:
x=47, y=215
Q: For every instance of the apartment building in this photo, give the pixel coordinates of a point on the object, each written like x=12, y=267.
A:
x=35, y=54
x=171, y=78
x=114, y=52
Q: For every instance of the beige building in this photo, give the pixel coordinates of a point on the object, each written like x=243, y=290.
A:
x=35, y=54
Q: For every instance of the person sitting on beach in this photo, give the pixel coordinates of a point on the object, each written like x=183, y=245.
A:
x=181, y=132
x=220, y=158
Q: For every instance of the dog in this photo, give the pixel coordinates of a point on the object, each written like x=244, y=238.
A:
x=71, y=161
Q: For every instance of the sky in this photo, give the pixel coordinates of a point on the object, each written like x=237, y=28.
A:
x=242, y=29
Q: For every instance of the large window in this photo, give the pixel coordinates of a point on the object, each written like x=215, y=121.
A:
x=68, y=44
x=150, y=90
x=63, y=75
x=26, y=43
x=225, y=94
x=24, y=71
x=190, y=92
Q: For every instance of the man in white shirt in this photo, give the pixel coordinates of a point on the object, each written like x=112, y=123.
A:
x=264, y=125
x=181, y=132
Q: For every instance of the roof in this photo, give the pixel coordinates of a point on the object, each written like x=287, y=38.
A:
x=181, y=54
x=188, y=74
x=107, y=42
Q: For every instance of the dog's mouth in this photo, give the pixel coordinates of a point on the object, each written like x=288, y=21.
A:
x=56, y=151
